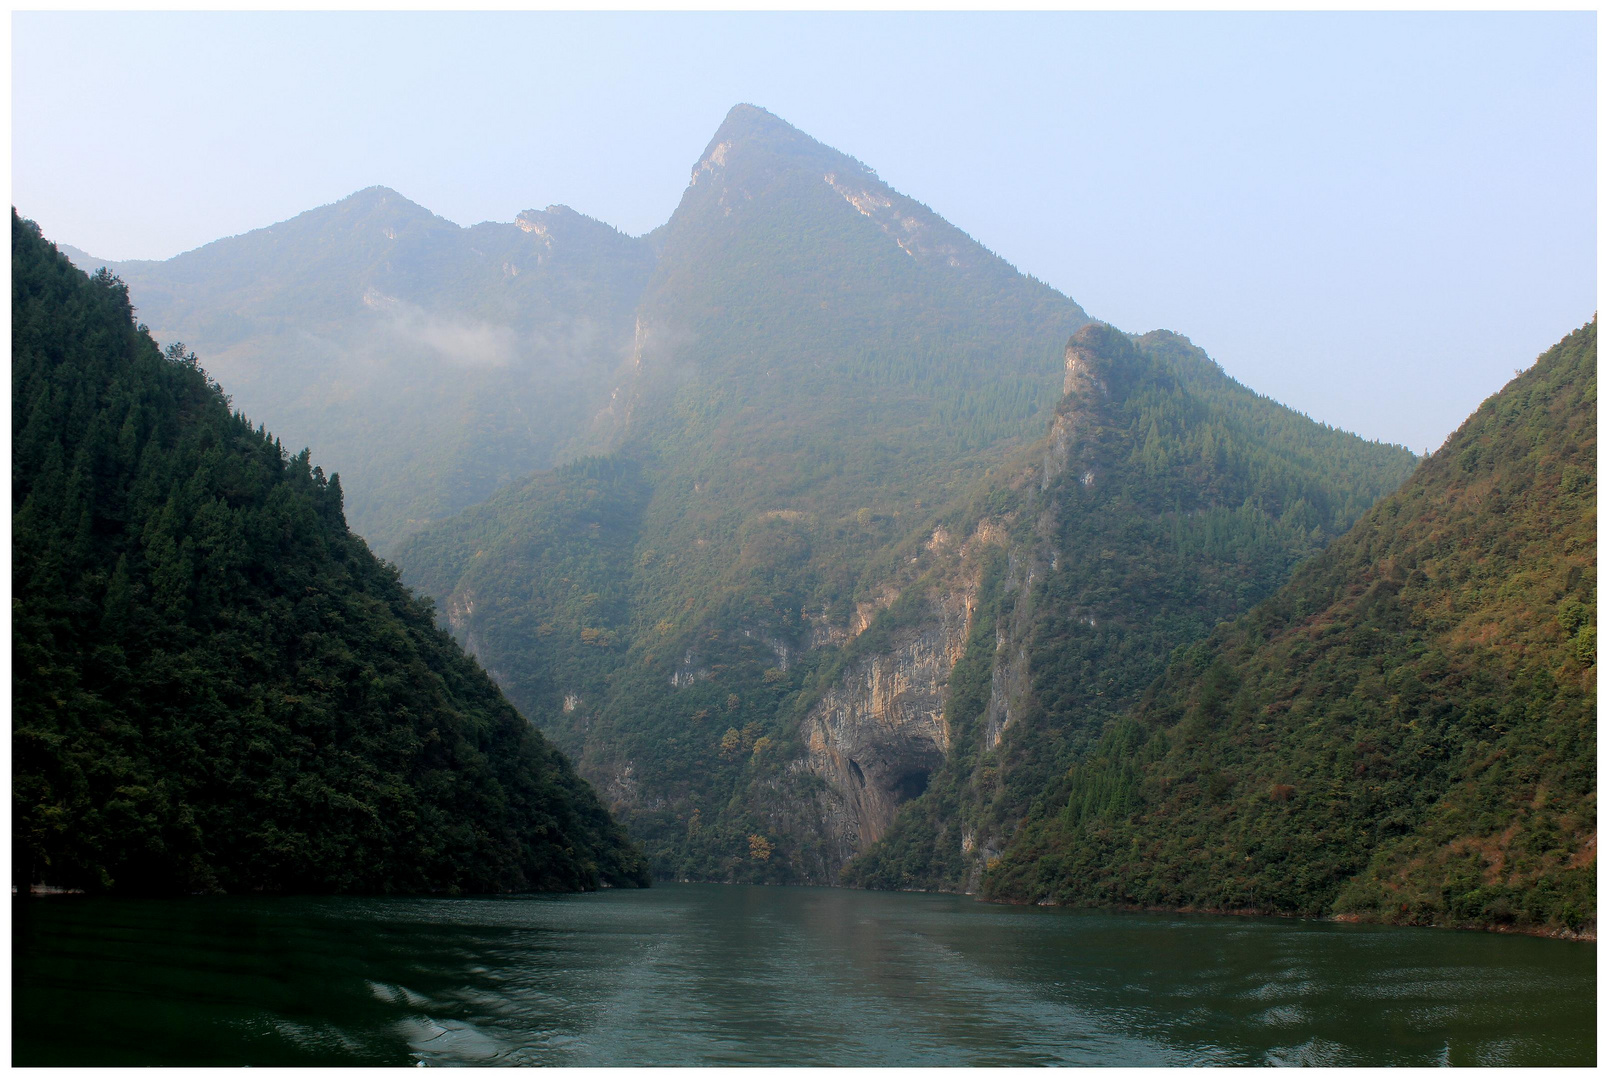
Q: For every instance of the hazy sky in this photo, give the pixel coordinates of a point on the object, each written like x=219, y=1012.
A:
x=1372, y=218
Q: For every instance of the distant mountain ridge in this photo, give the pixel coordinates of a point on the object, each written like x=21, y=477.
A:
x=429, y=364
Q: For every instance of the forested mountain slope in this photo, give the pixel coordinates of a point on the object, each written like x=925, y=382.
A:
x=819, y=364
x=216, y=685
x=755, y=737
x=1166, y=498
x=1406, y=731
x=429, y=364
x=820, y=356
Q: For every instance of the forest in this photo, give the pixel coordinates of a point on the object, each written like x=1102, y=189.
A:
x=217, y=686
x=1405, y=732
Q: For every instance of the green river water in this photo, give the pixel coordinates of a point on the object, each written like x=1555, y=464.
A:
x=738, y=975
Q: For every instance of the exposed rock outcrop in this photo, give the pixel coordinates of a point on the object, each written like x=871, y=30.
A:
x=879, y=732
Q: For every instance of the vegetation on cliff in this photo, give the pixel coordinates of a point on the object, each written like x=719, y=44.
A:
x=820, y=364
x=1405, y=732
x=1168, y=498
x=1205, y=496
x=218, y=686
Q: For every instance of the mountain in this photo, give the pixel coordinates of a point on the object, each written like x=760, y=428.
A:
x=1405, y=732
x=429, y=364
x=432, y=365
x=1165, y=498
x=216, y=685
x=789, y=270
x=800, y=600
x=827, y=381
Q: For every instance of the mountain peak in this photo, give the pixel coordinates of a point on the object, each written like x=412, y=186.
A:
x=748, y=119
x=1093, y=356
x=373, y=192
x=761, y=173
x=379, y=197
x=566, y=221
x=748, y=128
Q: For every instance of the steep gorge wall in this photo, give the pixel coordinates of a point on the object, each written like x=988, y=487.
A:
x=876, y=736
x=1163, y=499
x=879, y=733
x=777, y=740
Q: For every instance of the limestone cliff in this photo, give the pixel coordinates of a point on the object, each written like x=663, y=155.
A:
x=879, y=732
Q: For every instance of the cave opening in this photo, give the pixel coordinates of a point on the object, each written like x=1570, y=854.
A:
x=910, y=784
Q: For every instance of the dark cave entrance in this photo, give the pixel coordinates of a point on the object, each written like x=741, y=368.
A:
x=910, y=784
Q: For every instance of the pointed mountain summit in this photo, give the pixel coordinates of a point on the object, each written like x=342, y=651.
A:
x=570, y=236
x=760, y=175
x=755, y=153
x=372, y=208
x=751, y=123
x=376, y=205
x=802, y=283
x=311, y=270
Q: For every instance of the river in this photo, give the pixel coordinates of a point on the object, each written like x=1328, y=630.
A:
x=739, y=975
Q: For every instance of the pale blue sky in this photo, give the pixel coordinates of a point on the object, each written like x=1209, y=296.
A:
x=1373, y=218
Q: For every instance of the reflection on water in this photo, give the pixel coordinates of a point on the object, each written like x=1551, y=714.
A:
x=737, y=975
